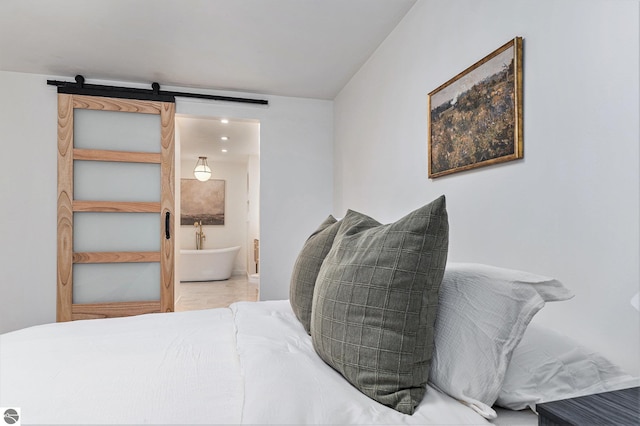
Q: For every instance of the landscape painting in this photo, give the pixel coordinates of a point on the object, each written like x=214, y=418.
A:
x=475, y=119
x=202, y=201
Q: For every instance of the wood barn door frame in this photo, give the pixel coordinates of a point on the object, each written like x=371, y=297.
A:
x=66, y=257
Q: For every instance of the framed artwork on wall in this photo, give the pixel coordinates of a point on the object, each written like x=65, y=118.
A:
x=202, y=201
x=475, y=119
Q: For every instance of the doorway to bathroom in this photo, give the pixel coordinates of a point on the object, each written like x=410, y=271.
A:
x=218, y=209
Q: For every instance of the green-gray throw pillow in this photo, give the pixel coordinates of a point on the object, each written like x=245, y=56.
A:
x=306, y=268
x=375, y=303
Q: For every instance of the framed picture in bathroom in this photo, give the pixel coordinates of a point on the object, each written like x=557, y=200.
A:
x=202, y=201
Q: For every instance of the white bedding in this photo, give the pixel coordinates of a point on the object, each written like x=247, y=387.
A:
x=176, y=368
x=287, y=383
x=252, y=363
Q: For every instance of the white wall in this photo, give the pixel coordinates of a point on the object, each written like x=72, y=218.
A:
x=570, y=208
x=28, y=190
x=296, y=178
x=253, y=222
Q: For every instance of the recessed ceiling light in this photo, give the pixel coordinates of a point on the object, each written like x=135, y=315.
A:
x=224, y=138
x=224, y=150
x=224, y=121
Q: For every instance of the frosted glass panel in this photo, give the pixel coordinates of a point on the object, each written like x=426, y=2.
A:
x=116, y=282
x=116, y=131
x=111, y=181
x=116, y=232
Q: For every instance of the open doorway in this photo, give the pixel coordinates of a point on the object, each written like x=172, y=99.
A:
x=218, y=214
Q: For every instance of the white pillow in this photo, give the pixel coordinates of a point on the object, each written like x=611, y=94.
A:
x=483, y=312
x=548, y=366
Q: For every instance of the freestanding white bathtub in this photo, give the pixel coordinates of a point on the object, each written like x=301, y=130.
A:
x=207, y=265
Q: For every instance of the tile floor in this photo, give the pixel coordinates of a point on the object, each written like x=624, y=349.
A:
x=215, y=294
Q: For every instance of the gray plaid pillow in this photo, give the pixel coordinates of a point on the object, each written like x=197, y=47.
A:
x=306, y=268
x=375, y=303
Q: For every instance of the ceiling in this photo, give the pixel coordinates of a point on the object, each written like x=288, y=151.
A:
x=297, y=48
x=203, y=137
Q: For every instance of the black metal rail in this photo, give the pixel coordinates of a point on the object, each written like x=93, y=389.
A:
x=79, y=87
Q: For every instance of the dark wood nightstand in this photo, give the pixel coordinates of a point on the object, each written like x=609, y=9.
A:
x=621, y=407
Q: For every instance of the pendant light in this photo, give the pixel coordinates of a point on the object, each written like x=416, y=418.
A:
x=202, y=172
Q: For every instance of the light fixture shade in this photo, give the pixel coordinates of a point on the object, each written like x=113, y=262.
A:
x=202, y=172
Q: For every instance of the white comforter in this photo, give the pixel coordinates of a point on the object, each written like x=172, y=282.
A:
x=252, y=363
x=176, y=368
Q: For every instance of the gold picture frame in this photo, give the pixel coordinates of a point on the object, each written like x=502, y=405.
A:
x=475, y=119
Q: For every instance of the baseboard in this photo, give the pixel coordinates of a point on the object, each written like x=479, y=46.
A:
x=238, y=272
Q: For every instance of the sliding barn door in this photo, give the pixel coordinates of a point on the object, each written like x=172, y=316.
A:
x=115, y=207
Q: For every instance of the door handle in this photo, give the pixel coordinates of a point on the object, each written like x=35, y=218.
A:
x=167, y=225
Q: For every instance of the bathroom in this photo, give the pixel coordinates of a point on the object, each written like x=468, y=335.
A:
x=231, y=151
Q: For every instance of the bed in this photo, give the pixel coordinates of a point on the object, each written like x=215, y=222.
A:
x=266, y=362
x=251, y=363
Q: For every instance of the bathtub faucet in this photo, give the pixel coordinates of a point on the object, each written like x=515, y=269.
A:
x=200, y=237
